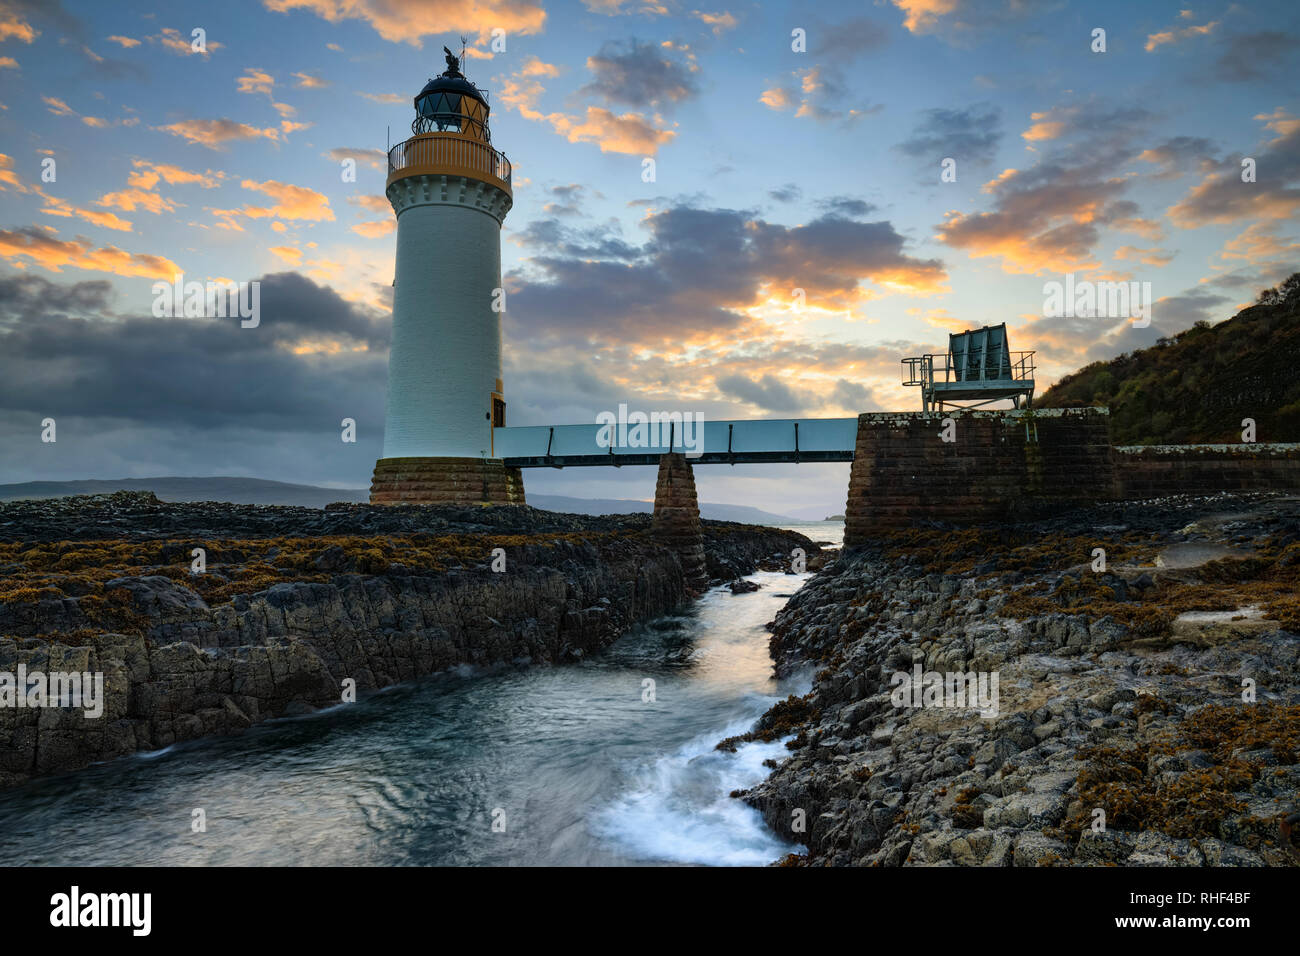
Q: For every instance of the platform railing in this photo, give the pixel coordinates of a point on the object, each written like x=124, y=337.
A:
x=940, y=367
x=435, y=150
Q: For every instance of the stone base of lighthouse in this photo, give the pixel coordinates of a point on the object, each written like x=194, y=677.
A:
x=446, y=481
x=676, y=519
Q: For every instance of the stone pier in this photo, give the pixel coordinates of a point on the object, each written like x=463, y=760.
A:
x=677, y=517
x=443, y=481
x=999, y=465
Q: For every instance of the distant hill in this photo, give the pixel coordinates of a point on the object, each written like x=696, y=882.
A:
x=243, y=491
x=259, y=491
x=1200, y=384
x=625, y=506
x=824, y=512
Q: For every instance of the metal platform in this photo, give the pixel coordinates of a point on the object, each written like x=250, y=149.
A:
x=978, y=369
x=723, y=443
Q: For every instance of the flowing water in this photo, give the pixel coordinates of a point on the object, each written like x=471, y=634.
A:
x=572, y=764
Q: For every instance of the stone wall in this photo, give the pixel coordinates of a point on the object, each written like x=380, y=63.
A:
x=1001, y=464
x=459, y=481
x=1157, y=471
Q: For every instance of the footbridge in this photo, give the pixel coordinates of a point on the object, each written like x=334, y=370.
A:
x=790, y=440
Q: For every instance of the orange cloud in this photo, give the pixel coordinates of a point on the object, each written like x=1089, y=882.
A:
x=923, y=15
x=629, y=133
x=1173, y=35
x=148, y=174
x=290, y=202
x=13, y=25
x=778, y=98
x=720, y=22
x=375, y=229
x=522, y=96
x=1280, y=122
x=1044, y=127
x=308, y=82
x=171, y=39
x=1148, y=229
x=1044, y=219
x=56, y=206
x=374, y=158
x=215, y=134
x=131, y=199
x=1258, y=244
x=255, y=81
x=125, y=42
x=23, y=246
x=1222, y=198
x=942, y=319
x=535, y=67
x=7, y=175
x=289, y=254
x=1149, y=257
x=409, y=21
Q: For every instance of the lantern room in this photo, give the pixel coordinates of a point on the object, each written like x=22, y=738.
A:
x=449, y=103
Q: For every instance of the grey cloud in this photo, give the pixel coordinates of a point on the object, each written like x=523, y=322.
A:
x=1180, y=153
x=847, y=207
x=967, y=135
x=842, y=43
x=640, y=75
x=695, y=271
x=769, y=393
x=31, y=296
x=199, y=373
x=1254, y=56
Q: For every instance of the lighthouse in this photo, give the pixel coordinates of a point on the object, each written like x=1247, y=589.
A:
x=450, y=190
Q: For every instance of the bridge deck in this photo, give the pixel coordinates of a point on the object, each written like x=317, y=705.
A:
x=725, y=442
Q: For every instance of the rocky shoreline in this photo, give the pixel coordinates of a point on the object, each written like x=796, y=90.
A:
x=1146, y=714
x=294, y=602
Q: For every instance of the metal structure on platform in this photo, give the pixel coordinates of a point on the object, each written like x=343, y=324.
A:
x=718, y=443
x=978, y=369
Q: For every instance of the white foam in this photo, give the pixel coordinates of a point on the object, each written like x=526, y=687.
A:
x=679, y=809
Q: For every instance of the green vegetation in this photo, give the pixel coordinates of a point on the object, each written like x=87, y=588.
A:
x=1198, y=385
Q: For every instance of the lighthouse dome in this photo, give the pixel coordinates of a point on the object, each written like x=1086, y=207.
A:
x=449, y=103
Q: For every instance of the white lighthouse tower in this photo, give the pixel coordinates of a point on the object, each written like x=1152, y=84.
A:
x=450, y=189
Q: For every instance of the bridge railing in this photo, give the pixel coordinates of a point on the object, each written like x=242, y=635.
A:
x=717, y=442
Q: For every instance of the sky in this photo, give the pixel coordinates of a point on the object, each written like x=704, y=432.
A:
x=796, y=240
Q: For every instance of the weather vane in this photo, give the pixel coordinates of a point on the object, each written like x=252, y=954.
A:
x=453, y=61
